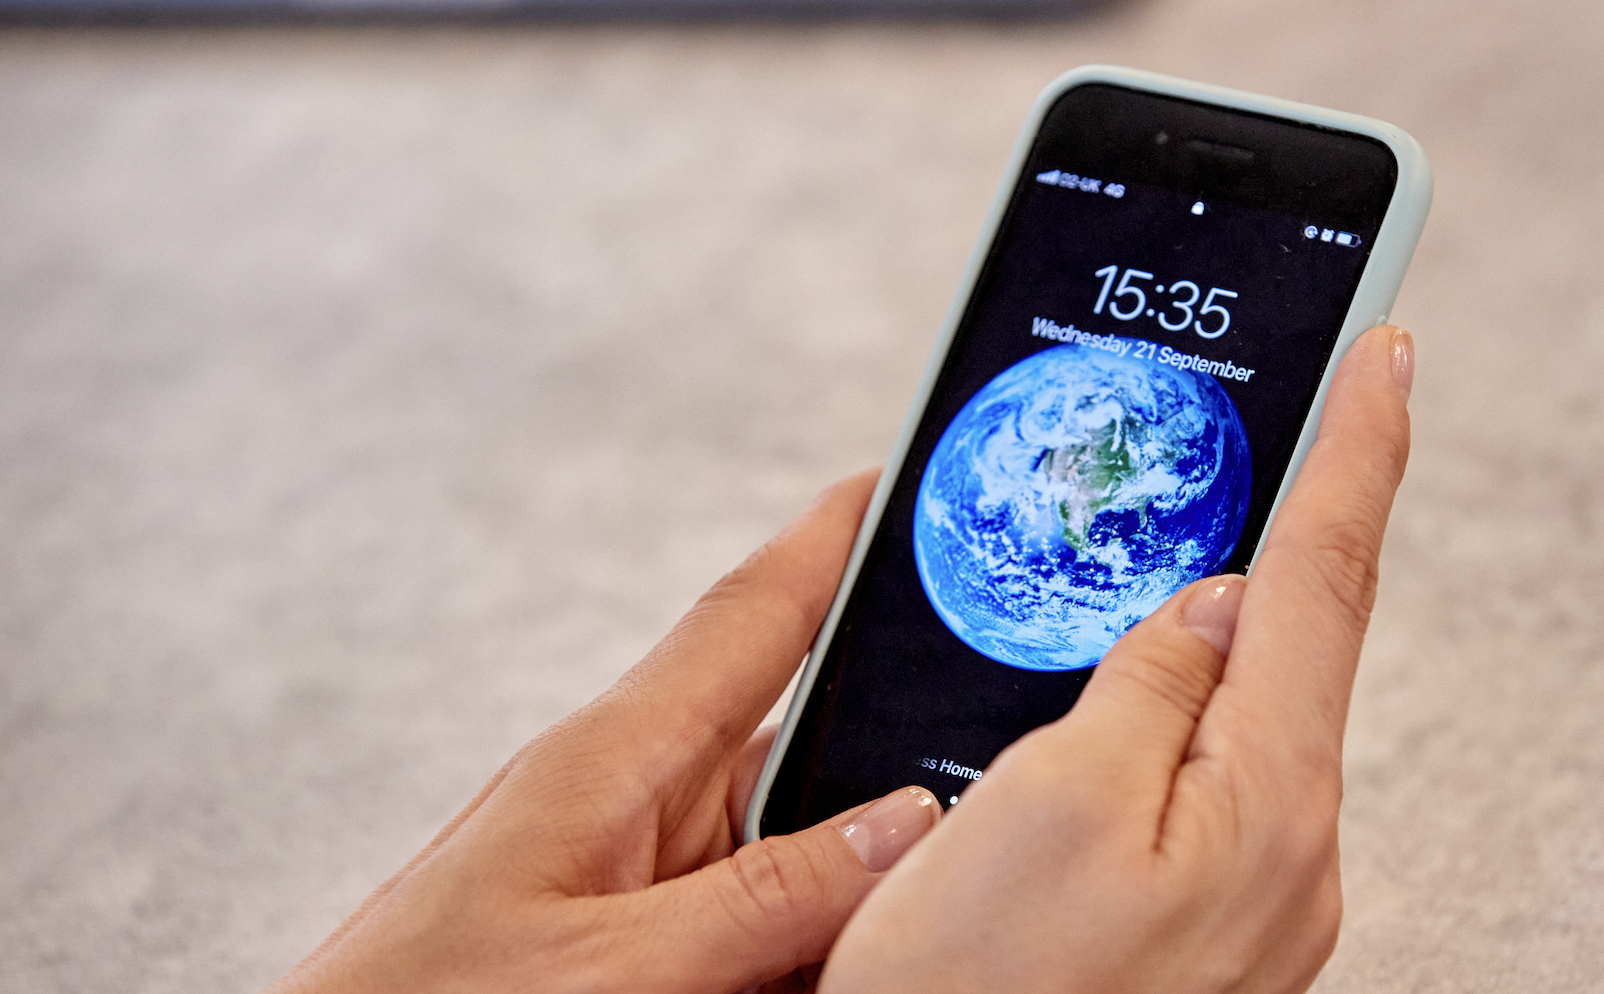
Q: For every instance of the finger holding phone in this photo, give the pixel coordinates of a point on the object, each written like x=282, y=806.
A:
x=1126, y=387
x=1177, y=830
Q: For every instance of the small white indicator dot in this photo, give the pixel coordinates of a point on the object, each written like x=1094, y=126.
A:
x=1150, y=312
x=1159, y=288
x=953, y=799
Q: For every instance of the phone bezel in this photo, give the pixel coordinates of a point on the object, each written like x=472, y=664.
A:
x=1371, y=304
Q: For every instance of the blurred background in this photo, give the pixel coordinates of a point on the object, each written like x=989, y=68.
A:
x=370, y=397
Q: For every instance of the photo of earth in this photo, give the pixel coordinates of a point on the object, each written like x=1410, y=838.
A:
x=1071, y=496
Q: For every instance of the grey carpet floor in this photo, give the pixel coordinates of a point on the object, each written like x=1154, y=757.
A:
x=370, y=399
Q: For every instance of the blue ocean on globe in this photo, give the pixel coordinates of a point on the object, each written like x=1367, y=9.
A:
x=1072, y=496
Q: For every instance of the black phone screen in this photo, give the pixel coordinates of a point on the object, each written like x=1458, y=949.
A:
x=1113, y=420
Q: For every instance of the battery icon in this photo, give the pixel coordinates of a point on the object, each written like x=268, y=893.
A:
x=1347, y=238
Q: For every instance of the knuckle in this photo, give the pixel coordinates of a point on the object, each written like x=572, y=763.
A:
x=773, y=879
x=1326, y=916
x=1309, y=839
x=1392, y=449
x=756, y=564
x=1171, y=674
x=1302, y=837
x=761, y=586
x=1315, y=922
x=1281, y=812
x=1346, y=563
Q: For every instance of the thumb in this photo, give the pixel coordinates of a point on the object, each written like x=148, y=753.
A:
x=1133, y=726
x=776, y=904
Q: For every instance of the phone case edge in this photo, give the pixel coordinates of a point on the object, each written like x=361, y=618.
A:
x=1378, y=287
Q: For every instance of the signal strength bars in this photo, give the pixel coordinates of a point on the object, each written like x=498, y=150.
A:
x=1085, y=184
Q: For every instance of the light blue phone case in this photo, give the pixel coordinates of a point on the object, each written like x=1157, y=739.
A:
x=1372, y=302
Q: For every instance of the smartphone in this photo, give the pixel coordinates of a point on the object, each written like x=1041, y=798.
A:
x=1130, y=376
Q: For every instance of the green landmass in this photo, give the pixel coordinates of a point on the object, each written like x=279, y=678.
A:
x=1096, y=470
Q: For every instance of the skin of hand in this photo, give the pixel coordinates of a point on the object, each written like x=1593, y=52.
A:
x=603, y=856
x=1176, y=832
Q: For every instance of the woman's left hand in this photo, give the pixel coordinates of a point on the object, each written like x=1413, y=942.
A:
x=603, y=856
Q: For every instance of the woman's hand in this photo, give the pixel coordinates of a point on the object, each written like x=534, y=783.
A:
x=1177, y=831
x=603, y=856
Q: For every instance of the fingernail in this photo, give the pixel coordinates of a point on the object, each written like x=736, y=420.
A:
x=1403, y=360
x=883, y=831
x=1213, y=609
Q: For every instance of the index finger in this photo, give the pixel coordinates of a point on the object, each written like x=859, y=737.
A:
x=1284, y=694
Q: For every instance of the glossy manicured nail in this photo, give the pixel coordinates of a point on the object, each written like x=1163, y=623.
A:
x=883, y=831
x=1403, y=360
x=1213, y=609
